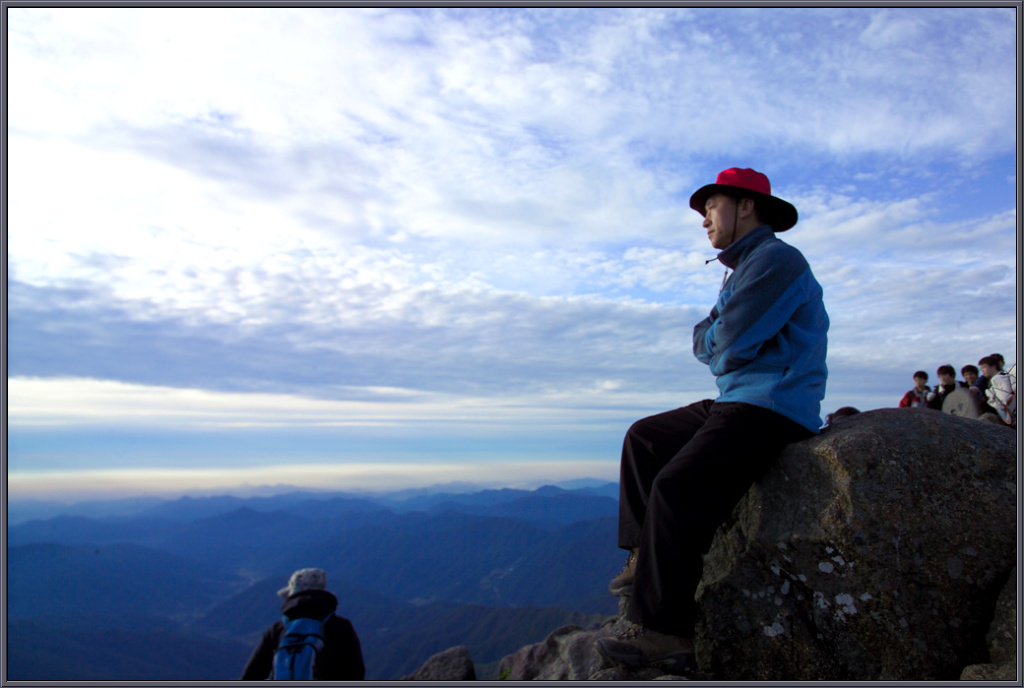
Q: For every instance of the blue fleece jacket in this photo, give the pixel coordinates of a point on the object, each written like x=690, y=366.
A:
x=766, y=338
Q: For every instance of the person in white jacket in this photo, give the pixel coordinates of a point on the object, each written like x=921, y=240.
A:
x=1000, y=389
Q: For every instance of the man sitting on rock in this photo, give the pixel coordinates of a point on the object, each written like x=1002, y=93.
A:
x=683, y=471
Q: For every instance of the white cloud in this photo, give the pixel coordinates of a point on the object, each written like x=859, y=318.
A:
x=350, y=477
x=491, y=202
x=59, y=402
x=467, y=128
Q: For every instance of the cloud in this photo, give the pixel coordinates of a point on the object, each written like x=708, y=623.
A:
x=287, y=338
x=99, y=403
x=320, y=323
x=472, y=204
x=355, y=477
x=492, y=122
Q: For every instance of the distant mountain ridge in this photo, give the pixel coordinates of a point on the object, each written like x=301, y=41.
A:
x=300, y=502
x=416, y=573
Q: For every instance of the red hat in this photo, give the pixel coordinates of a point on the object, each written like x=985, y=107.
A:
x=779, y=214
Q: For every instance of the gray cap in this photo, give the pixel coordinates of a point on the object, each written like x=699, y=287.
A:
x=304, y=579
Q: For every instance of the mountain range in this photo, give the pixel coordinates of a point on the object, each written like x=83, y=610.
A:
x=133, y=592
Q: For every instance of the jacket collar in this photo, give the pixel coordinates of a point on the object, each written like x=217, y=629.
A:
x=731, y=256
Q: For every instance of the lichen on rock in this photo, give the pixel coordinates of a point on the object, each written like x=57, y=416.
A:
x=894, y=533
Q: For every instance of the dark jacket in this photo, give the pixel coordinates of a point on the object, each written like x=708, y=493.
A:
x=938, y=395
x=342, y=656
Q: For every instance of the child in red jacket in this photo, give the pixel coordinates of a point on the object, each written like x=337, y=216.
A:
x=919, y=395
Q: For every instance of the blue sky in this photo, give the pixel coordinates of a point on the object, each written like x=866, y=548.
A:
x=384, y=248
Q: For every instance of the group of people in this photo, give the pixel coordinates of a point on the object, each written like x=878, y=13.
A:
x=994, y=386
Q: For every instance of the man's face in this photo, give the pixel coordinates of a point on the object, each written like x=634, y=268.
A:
x=988, y=371
x=946, y=378
x=970, y=377
x=720, y=220
x=920, y=383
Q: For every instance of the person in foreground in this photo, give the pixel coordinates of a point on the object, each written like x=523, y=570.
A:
x=683, y=471
x=305, y=597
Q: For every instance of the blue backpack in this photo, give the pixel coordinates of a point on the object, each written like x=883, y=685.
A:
x=300, y=646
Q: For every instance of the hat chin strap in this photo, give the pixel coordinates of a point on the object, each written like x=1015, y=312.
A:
x=735, y=222
x=732, y=237
x=735, y=217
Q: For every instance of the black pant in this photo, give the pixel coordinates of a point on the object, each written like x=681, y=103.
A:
x=682, y=474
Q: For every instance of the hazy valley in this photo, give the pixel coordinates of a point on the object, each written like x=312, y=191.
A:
x=182, y=589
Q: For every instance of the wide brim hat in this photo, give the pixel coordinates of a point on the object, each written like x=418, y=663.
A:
x=780, y=215
x=304, y=579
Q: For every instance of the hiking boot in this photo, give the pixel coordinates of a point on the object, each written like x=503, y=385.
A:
x=622, y=584
x=641, y=647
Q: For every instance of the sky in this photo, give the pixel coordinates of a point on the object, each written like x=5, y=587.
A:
x=382, y=248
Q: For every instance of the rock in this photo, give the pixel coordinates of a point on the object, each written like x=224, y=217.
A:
x=1002, y=634
x=874, y=551
x=454, y=664
x=963, y=402
x=989, y=672
x=632, y=675
x=567, y=654
x=1001, y=640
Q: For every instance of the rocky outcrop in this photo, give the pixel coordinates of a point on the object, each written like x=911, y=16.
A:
x=874, y=551
x=568, y=654
x=1001, y=640
x=454, y=664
